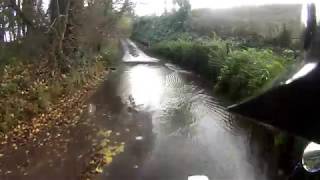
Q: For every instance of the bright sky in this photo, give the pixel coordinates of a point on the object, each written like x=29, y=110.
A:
x=148, y=7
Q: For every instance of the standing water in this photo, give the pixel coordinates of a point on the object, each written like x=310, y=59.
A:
x=151, y=121
x=174, y=128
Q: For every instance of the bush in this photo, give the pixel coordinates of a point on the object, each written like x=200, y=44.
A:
x=239, y=72
x=43, y=97
x=24, y=92
x=202, y=56
x=245, y=71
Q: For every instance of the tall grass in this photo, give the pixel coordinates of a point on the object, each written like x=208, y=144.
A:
x=245, y=72
x=238, y=73
x=202, y=56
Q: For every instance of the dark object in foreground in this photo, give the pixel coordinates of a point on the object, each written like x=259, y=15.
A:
x=294, y=106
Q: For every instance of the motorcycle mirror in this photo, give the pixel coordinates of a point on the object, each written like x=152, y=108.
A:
x=311, y=158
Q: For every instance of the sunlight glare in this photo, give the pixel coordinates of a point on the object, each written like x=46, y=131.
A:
x=312, y=147
x=303, y=71
x=146, y=87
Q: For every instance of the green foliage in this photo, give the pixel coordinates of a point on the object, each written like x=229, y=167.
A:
x=43, y=97
x=8, y=88
x=252, y=54
x=152, y=29
x=248, y=23
x=124, y=26
x=254, y=27
x=238, y=72
x=112, y=52
x=75, y=78
x=284, y=37
x=242, y=66
x=47, y=58
x=246, y=71
x=282, y=40
x=23, y=93
x=55, y=90
x=202, y=56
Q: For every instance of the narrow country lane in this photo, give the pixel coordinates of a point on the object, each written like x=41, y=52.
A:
x=149, y=121
x=173, y=128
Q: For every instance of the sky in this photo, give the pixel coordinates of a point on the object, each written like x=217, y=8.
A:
x=149, y=7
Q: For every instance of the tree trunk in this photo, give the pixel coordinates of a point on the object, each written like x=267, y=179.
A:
x=11, y=20
x=59, y=18
x=2, y=24
x=19, y=23
x=28, y=9
x=74, y=23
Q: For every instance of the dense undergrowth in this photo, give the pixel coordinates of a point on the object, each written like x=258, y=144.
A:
x=29, y=88
x=237, y=72
x=239, y=58
x=240, y=64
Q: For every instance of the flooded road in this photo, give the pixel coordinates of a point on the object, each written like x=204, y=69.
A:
x=149, y=120
x=173, y=128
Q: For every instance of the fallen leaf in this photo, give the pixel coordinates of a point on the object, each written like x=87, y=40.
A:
x=99, y=170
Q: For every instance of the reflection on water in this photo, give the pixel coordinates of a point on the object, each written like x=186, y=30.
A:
x=134, y=54
x=189, y=126
x=146, y=85
x=179, y=130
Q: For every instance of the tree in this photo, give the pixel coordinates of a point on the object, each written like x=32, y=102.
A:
x=28, y=10
x=284, y=38
x=62, y=30
x=182, y=15
x=184, y=5
x=2, y=23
